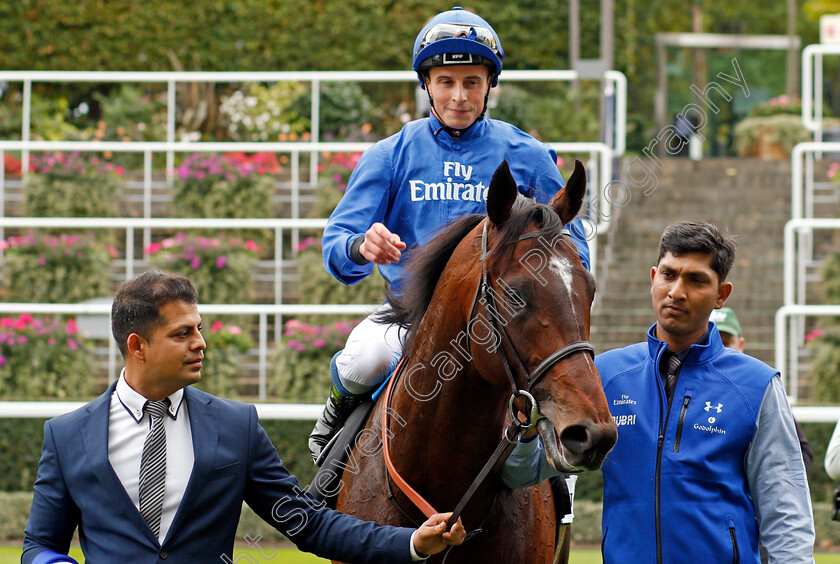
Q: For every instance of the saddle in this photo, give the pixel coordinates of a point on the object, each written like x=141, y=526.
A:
x=326, y=483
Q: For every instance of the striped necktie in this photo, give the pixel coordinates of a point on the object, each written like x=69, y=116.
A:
x=672, y=367
x=153, y=466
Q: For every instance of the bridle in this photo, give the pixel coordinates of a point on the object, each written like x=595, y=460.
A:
x=484, y=295
x=510, y=437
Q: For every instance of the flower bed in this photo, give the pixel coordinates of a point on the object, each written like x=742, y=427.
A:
x=72, y=185
x=60, y=268
x=302, y=359
x=221, y=268
x=233, y=185
x=44, y=358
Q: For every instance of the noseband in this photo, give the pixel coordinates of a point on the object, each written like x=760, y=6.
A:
x=484, y=294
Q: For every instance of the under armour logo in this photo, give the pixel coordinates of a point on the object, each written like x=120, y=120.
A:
x=718, y=407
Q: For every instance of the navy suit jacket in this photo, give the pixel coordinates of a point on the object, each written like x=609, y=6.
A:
x=235, y=461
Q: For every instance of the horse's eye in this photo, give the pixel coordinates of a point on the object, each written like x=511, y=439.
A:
x=514, y=298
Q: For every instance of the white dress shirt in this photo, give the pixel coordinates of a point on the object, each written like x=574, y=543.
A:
x=128, y=426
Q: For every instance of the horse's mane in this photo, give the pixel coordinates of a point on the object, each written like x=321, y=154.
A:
x=426, y=263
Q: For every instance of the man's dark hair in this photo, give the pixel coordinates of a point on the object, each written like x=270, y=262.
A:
x=699, y=237
x=136, y=307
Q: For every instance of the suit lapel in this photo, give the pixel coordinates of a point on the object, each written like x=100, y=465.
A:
x=94, y=432
x=204, y=428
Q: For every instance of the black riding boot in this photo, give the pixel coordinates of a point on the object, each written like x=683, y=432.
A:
x=336, y=411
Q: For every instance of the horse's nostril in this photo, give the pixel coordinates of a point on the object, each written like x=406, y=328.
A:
x=576, y=439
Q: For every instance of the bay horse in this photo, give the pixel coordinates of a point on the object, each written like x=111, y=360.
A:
x=492, y=305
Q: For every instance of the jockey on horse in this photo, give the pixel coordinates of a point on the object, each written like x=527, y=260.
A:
x=407, y=186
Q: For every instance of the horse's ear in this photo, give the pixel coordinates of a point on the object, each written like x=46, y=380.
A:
x=568, y=201
x=501, y=194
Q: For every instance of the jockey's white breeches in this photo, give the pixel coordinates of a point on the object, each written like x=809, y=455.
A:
x=370, y=354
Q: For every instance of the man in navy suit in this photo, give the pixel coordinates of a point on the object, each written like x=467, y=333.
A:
x=203, y=457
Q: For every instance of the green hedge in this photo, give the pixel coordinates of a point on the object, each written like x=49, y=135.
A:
x=21, y=440
x=254, y=35
x=586, y=529
x=247, y=35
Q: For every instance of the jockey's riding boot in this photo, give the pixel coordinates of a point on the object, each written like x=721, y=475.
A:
x=338, y=408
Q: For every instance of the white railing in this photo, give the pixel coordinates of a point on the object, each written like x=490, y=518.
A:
x=788, y=367
x=131, y=224
x=310, y=412
x=812, y=86
x=615, y=83
x=794, y=263
x=790, y=327
x=600, y=174
x=802, y=176
x=260, y=310
x=799, y=249
x=38, y=409
x=600, y=166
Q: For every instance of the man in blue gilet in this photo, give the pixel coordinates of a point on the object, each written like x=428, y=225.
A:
x=707, y=462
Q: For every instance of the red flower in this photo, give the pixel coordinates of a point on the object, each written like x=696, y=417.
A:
x=11, y=165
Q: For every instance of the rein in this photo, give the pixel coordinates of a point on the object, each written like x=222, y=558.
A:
x=511, y=435
x=503, y=449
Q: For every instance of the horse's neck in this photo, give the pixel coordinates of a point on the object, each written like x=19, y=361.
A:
x=449, y=408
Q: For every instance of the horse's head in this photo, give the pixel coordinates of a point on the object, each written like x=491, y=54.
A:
x=532, y=313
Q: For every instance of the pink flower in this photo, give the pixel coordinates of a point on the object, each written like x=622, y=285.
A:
x=293, y=344
x=2, y=360
x=153, y=248
x=72, y=328
x=305, y=244
x=195, y=263
x=22, y=340
x=51, y=340
x=71, y=344
x=42, y=260
x=319, y=343
x=251, y=245
x=815, y=334
x=217, y=325
x=7, y=322
x=221, y=261
x=234, y=330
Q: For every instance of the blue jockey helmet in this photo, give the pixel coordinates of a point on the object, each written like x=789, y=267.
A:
x=458, y=37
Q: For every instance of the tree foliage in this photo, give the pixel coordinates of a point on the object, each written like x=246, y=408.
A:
x=292, y=35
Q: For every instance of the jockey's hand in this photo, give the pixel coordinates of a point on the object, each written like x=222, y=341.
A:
x=381, y=246
x=432, y=536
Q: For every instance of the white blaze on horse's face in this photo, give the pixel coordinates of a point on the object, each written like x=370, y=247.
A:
x=562, y=267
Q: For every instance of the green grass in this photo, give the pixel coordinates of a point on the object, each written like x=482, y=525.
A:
x=11, y=555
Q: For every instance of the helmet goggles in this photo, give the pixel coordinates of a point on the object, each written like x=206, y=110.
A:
x=457, y=31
